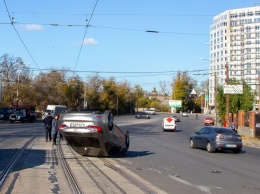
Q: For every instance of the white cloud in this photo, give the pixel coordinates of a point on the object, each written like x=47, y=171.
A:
x=33, y=27
x=90, y=41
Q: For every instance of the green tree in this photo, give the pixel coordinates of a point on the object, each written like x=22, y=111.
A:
x=109, y=95
x=49, y=88
x=74, y=93
x=181, y=87
x=237, y=102
x=93, y=91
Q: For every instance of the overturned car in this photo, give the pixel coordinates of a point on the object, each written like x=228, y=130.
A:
x=93, y=133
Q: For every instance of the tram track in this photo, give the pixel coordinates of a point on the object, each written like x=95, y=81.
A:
x=75, y=188
x=13, y=161
x=99, y=171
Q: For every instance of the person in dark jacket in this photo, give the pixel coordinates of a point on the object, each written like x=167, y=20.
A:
x=48, y=125
x=54, y=130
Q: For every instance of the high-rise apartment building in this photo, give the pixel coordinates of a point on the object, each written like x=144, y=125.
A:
x=235, y=44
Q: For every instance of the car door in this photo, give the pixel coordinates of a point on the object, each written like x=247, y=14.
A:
x=205, y=137
x=198, y=138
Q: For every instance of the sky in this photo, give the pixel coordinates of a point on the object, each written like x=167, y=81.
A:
x=143, y=42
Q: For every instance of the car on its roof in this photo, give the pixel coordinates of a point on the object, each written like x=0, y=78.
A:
x=216, y=138
x=93, y=133
x=176, y=118
x=142, y=115
x=208, y=121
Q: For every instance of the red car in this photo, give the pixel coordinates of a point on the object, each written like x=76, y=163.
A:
x=208, y=121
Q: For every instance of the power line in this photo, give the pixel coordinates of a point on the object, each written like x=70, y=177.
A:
x=11, y=20
x=115, y=14
x=112, y=28
x=85, y=35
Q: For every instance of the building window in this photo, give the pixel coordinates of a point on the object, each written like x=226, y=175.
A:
x=248, y=36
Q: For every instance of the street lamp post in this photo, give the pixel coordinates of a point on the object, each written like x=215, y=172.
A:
x=18, y=82
x=227, y=98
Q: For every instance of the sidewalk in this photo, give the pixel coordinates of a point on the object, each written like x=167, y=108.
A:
x=252, y=142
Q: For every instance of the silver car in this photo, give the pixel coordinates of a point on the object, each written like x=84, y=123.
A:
x=216, y=138
x=93, y=133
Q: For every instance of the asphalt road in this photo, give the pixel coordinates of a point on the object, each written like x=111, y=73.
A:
x=162, y=158
x=166, y=160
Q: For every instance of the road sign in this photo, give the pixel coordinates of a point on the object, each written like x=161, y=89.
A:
x=233, y=89
x=175, y=103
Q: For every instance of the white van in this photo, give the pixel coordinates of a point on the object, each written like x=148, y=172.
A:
x=169, y=124
x=53, y=110
x=150, y=111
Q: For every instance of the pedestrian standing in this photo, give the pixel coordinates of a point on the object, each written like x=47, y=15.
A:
x=233, y=126
x=48, y=125
x=54, y=130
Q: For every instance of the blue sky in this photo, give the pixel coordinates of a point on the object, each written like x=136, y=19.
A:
x=116, y=42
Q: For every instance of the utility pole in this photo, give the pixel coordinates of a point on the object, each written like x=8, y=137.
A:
x=258, y=93
x=215, y=98
x=18, y=82
x=227, y=97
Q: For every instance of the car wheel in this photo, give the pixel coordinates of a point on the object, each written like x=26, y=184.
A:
x=110, y=121
x=192, y=144
x=210, y=148
x=127, y=140
x=236, y=151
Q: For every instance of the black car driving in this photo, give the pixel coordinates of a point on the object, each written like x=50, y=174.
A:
x=142, y=115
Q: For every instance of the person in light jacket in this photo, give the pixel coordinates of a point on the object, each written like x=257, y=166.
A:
x=54, y=130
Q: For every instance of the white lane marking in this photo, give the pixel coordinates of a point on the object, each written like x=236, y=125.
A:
x=201, y=188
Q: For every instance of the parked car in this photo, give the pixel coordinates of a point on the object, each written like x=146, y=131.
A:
x=208, y=121
x=216, y=138
x=5, y=112
x=23, y=114
x=143, y=115
x=93, y=133
x=185, y=114
x=169, y=124
x=176, y=118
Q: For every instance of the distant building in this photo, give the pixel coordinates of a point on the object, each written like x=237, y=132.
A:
x=163, y=98
x=235, y=42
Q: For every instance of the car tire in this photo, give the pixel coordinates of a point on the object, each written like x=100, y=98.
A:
x=236, y=151
x=192, y=144
x=210, y=148
x=127, y=140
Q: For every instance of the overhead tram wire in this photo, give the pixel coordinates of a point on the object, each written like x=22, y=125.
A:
x=115, y=14
x=11, y=20
x=112, y=28
x=85, y=35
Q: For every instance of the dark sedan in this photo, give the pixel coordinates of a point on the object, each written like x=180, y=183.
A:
x=216, y=138
x=176, y=118
x=143, y=116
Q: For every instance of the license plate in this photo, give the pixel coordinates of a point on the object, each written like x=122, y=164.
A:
x=231, y=145
x=80, y=125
